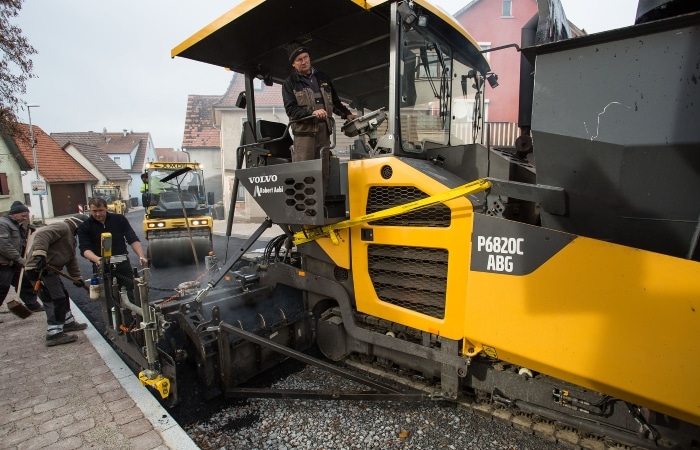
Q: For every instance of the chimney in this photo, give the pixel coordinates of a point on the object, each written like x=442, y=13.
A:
x=125, y=132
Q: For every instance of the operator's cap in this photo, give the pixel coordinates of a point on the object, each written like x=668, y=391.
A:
x=296, y=49
x=76, y=220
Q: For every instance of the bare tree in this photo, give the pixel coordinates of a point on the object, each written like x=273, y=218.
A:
x=15, y=67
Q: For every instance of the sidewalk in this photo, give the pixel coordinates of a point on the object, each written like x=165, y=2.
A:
x=74, y=396
x=81, y=395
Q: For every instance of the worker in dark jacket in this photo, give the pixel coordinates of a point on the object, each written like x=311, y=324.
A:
x=54, y=245
x=13, y=242
x=89, y=240
x=308, y=92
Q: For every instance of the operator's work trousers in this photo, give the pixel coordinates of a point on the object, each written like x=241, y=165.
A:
x=125, y=277
x=9, y=276
x=309, y=147
x=55, y=299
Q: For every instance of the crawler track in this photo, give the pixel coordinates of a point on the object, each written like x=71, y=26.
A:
x=568, y=431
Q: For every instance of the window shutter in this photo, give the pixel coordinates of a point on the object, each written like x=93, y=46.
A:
x=4, y=188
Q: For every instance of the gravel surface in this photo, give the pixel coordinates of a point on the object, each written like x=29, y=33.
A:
x=317, y=424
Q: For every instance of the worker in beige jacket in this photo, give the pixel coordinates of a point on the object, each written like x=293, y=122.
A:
x=55, y=245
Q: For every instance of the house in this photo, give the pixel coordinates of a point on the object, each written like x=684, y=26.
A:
x=201, y=140
x=129, y=150
x=100, y=166
x=66, y=182
x=495, y=23
x=12, y=167
x=168, y=154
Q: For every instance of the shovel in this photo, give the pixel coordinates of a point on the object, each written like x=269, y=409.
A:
x=16, y=307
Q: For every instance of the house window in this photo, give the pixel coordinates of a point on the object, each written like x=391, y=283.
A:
x=28, y=199
x=4, y=188
x=240, y=197
x=507, y=8
x=118, y=160
x=485, y=46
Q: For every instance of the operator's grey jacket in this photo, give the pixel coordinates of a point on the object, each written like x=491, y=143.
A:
x=56, y=242
x=299, y=102
x=11, y=241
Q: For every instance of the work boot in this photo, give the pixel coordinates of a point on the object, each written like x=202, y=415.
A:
x=60, y=338
x=74, y=326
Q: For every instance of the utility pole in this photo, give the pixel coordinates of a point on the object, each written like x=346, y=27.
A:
x=36, y=165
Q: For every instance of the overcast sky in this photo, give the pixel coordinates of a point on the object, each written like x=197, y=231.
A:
x=106, y=64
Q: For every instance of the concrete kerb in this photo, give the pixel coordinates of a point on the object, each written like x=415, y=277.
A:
x=163, y=423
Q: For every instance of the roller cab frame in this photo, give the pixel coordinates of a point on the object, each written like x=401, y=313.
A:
x=177, y=222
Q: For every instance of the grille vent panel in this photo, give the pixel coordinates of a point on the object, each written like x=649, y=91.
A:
x=383, y=197
x=414, y=278
x=298, y=195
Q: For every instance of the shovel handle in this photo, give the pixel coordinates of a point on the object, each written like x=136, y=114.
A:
x=65, y=275
x=21, y=273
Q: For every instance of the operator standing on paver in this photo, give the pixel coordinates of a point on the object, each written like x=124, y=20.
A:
x=308, y=92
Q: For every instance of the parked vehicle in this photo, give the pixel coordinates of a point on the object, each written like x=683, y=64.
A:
x=113, y=196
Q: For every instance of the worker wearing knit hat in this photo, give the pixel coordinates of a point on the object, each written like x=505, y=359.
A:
x=76, y=220
x=296, y=49
x=13, y=242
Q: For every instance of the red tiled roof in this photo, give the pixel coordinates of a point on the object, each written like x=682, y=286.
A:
x=55, y=165
x=267, y=97
x=236, y=85
x=199, y=122
x=111, y=143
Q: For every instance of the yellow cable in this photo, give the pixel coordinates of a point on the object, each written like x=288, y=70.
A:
x=311, y=234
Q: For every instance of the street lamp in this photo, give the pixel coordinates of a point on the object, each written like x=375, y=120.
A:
x=36, y=165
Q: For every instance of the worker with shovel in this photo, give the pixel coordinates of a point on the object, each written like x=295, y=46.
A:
x=13, y=243
x=54, y=247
